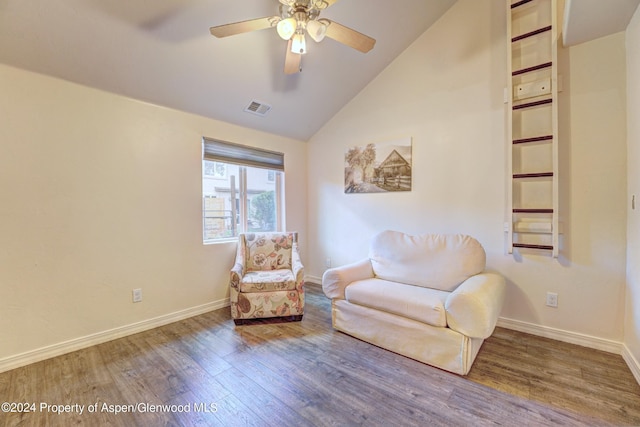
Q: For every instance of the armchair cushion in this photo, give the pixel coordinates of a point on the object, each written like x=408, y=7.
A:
x=273, y=280
x=268, y=251
x=436, y=261
x=422, y=304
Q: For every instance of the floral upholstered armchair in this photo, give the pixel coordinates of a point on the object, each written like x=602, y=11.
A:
x=267, y=279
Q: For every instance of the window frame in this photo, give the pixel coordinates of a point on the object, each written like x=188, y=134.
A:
x=245, y=158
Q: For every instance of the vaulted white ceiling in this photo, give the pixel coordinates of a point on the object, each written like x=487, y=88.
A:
x=161, y=51
x=586, y=20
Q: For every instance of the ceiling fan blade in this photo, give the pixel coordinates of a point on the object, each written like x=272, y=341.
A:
x=349, y=37
x=291, y=61
x=243, y=26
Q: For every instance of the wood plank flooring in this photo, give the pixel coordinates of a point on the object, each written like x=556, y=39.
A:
x=307, y=374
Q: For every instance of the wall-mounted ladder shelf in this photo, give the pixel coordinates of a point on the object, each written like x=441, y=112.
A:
x=532, y=126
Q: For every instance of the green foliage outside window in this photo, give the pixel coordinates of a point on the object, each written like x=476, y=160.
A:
x=263, y=210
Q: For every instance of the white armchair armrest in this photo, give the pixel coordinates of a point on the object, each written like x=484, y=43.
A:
x=336, y=279
x=296, y=265
x=474, y=306
x=238, y=269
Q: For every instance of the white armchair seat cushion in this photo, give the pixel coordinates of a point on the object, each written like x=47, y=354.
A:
x=414, y=302
x=268, y=280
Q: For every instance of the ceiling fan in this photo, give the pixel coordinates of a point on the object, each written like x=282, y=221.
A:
x=297, y=18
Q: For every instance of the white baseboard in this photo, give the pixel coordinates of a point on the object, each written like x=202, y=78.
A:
x=609, y=346
x=75, y=344
x=23, y=359
x=632, y=362
x=313, y=279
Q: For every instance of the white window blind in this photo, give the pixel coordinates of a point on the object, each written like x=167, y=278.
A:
x=227, y=152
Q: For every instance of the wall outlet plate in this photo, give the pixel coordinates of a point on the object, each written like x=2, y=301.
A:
x=552, y=299
x=137, y=295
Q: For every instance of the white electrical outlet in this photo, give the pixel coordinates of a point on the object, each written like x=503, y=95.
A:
x=327, y=262
x=552, y=299
x=137, y=295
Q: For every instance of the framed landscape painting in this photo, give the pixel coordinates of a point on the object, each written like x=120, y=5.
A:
x=378, y=168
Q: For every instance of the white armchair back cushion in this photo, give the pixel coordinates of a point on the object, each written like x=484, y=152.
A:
x=437, y=261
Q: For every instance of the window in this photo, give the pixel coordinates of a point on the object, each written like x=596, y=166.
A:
x=215, y=169
x=241, y=190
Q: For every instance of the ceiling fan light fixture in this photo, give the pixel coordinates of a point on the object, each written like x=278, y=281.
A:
x=316, y=30
x=296, y=19
x=287, y=28
x=299, y=44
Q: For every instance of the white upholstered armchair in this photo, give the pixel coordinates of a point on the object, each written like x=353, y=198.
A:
x=267, y=279
x=427, y=297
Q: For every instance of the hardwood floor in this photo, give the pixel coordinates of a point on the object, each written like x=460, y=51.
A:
x=307, y=374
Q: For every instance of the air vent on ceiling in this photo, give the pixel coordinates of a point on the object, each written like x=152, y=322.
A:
x=257, y=107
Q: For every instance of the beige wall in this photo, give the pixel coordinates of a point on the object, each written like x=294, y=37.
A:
x=100, y=194
x=446, y=92
x=632, y=319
